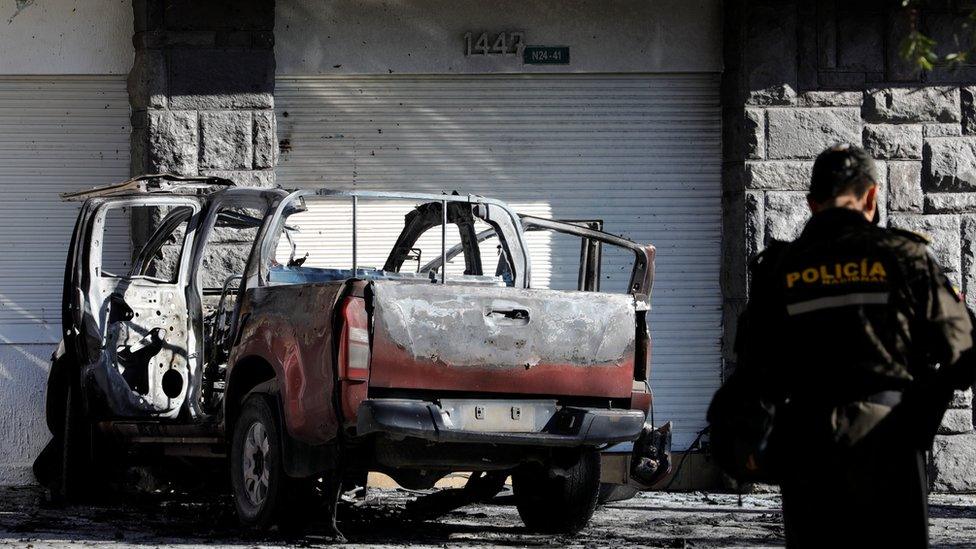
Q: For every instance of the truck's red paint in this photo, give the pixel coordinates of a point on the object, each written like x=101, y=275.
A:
x=290, y=327
x=394, y=367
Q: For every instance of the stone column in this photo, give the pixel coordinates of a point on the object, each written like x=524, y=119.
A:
x=805, y=75
x=202, y=95
x=201, y=89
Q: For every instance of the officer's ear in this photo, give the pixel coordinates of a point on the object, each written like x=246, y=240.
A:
x=869, y=204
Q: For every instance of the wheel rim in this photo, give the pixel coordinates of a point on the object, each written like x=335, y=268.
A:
x=255, y=464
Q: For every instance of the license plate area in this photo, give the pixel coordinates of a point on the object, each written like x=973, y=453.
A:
x=498, y=416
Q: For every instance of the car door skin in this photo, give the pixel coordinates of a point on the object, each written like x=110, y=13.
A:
x=128, y=333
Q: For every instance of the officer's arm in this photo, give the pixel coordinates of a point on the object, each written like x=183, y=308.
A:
x=948, y=330
x=942, y=331
x=749, y=341
x=756, y=337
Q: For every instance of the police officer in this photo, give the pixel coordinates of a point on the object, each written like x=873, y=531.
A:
x=857, y=334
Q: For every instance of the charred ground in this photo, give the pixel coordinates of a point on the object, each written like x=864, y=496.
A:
x=166, y=518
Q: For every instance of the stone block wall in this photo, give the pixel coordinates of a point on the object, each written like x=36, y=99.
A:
x=201, y=90
x=802, y=76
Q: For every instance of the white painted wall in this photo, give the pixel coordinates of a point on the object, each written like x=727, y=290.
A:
x=426, y=36
x=23, y=376
x=65, y=37
x=51, y=38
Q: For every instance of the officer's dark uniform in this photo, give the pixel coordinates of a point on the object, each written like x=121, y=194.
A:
x=847, y=324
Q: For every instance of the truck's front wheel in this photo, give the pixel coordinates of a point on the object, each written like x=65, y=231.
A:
x=263, y=494
x=558, y=500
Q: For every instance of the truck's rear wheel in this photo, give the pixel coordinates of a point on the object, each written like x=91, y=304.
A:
x=263, y=494
x=558, y=501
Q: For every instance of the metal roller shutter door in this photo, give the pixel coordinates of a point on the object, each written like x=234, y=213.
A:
x=57, y=134
x=640, y=152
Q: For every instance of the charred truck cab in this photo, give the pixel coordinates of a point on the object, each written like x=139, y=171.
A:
x=253, y=326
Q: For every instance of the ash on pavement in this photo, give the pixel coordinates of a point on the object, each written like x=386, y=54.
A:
x=649, y=520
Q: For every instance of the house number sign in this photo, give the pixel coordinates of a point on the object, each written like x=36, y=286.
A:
x=512, y=44
x=546, y=55
x=505, y=43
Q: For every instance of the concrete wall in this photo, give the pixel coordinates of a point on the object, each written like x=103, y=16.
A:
x=804, y=75
x=23, y=376
x=65, y=36
x=426, y=36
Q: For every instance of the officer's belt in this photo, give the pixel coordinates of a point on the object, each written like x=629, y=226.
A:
x=889, y=398
x=884, y=398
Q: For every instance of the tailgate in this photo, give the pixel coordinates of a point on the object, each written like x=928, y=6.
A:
x=502, y=340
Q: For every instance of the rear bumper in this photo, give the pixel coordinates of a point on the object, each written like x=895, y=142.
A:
x=403, y=418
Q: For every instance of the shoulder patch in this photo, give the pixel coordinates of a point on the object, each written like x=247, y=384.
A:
x=917, y=237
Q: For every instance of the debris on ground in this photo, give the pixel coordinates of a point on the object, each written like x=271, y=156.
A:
x=654, y=519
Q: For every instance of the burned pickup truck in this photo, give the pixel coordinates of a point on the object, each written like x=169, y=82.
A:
x=308, y=337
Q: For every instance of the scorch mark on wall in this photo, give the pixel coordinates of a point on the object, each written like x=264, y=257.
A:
x=21, y=6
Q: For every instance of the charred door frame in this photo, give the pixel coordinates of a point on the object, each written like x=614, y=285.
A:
x=269, y=200
x=642, y=274
x=85, y=324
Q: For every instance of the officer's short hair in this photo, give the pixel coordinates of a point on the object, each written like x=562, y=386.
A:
x=842, y=169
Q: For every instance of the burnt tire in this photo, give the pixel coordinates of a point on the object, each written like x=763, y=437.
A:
x=558, y=503
x=263, y=494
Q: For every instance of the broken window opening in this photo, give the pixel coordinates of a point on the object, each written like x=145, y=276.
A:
x=164, y=236
x=335, y=238
x=223, y=262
